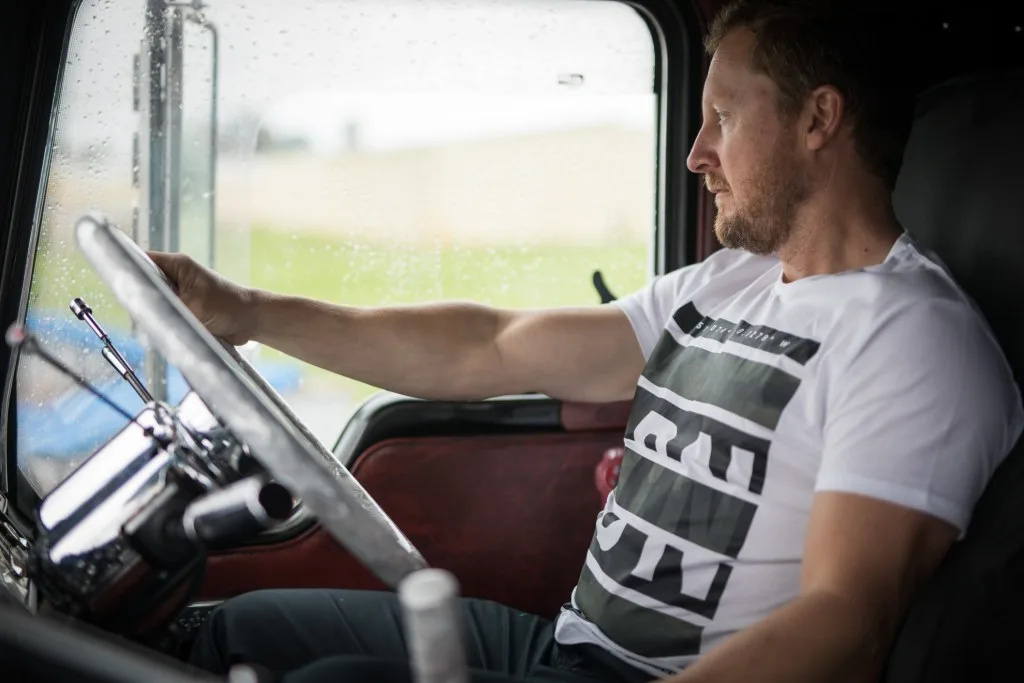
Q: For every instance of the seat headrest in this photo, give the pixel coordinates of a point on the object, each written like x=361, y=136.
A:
x=961, y=193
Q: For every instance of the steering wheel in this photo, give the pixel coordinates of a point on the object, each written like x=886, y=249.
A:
x=249, y=407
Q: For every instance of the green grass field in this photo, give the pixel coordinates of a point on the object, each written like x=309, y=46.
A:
x=333, y=269
x=380, y=274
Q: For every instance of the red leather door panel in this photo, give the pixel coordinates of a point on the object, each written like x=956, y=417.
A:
x=509, y=515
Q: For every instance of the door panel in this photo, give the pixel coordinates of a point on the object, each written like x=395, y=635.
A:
x=510, y=514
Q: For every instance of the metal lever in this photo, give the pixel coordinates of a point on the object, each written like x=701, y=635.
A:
x=433, y=628
x=602, y=288
x=236, y=513
x=83, y=312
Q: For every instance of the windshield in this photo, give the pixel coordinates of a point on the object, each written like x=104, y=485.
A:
x=363, y=152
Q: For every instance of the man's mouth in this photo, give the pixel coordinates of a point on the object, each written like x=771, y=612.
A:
x=715, y=189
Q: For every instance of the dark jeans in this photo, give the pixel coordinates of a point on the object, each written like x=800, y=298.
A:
x=342, y=636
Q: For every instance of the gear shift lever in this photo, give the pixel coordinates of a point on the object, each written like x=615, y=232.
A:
x=429, y=598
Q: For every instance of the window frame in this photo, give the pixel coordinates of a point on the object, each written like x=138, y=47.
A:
x=43, y=31
x=31, y=88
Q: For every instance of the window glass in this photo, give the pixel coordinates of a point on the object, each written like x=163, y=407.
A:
x=364, y=152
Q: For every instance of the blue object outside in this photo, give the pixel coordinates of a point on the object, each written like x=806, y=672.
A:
x=77, y=422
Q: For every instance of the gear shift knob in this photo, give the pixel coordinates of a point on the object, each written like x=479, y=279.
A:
x=433, y=627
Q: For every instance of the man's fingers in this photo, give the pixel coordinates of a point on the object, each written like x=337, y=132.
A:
x=161, y=260
x=168, y=264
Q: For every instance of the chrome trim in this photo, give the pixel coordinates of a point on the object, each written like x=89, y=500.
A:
x=81, y=522
x=100, y=470
x=327, y=489
x=158, y=104
x=196, y=415
x=14, y=549
x=203, y=604
x=197, y=17
x=101, y=528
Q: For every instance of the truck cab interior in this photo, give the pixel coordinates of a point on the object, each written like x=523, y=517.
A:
x=503, y=493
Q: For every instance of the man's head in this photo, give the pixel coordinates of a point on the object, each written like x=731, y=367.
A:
x=795, y=90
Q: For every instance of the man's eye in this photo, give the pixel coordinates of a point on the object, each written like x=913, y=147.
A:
x=721, y=116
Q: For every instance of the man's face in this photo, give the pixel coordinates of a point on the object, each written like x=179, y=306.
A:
x=747, y=151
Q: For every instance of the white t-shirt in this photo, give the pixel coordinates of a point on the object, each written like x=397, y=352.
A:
x=883, y=381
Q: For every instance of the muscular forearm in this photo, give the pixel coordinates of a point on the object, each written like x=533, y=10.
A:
x=817, y=638
x=441, y=351
x=436, y=351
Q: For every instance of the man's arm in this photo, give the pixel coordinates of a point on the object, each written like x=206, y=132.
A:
x=864, y=560
x=461, y=351
x=450, y=351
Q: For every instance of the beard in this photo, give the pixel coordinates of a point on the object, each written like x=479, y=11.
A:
x=762, y=224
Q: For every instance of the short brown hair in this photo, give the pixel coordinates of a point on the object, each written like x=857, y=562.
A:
x=851, y=45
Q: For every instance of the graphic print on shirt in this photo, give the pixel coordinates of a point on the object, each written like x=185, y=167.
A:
x=696, y=462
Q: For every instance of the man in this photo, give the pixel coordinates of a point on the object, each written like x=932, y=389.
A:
x=817, y=407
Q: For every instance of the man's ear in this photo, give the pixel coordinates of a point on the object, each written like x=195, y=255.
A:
x=823, y=116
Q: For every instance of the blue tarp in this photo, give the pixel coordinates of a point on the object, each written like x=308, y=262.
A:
x=77, y=422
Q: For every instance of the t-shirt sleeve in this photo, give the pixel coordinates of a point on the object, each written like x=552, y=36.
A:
x=922, y=413
x=650, y=308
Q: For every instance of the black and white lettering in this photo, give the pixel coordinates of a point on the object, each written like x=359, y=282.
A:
x=652, y=567
x=696, y=464
x=669, y=430
x=761, y=337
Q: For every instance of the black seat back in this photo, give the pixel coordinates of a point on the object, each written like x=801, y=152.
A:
x=961, y=193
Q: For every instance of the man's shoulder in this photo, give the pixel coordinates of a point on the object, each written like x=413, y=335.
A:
x=912, y=279
x=908, y=311
x=914, y=311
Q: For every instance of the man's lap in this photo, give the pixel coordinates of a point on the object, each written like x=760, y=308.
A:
x=314, y=635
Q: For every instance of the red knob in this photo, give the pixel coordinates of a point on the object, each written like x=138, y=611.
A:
x=606, y=474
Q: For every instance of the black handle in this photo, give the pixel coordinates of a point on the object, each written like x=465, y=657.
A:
x=602, y=288
x=236, y=513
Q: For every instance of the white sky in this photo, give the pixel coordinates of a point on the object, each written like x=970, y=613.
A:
x=385, y=120
x=411, y=71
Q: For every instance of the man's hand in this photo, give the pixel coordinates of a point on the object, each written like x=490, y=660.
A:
x=863, y=562
x=224, y=307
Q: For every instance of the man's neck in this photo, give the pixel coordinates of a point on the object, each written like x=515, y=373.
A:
x=837, y=232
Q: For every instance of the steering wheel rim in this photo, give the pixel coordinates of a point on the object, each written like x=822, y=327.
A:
x=249, y=407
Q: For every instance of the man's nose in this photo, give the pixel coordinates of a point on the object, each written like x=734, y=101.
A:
x=700, y=158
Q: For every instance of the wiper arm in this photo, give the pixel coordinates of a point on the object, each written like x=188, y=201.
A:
x=83, y=312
